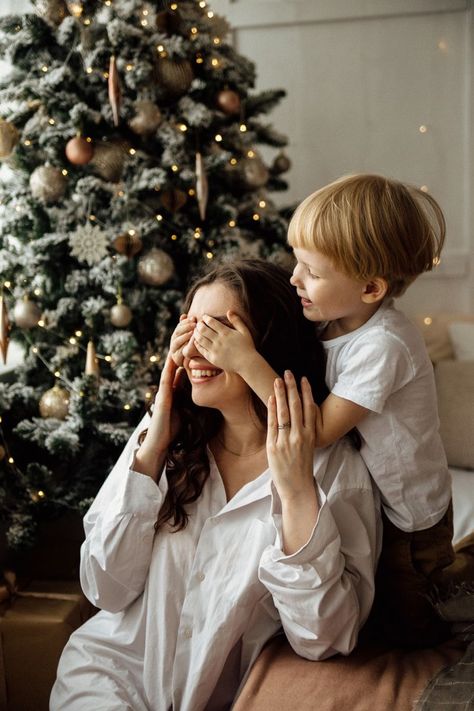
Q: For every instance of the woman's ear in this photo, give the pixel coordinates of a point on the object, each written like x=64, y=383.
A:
x=375, y=290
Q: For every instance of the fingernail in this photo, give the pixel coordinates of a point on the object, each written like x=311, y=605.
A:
x=287, y=374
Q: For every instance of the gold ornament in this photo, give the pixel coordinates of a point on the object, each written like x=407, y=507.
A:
x=228, y=101
x=75, y=7
x=254, y=172
x=79, y=151
x=129, y=243
x=108, y=159
x=8, y=138
x=47, y=183
x=175, y=75
x=54, y=403
x=92, y=362
x=4, y=330
x=281, y=163
x=147, y=118
x=120, y=315
x=155, y=267
x=26, y=313
x=168, y=22
x=114, y=90
x=53, y=11
x=173, y=200
x=202, y=186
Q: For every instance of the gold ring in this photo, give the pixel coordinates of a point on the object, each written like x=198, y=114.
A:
x=284, y=426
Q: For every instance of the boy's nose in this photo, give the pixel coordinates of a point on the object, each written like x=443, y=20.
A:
x=294, y=277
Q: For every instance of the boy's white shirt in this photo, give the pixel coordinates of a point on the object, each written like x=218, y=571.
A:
x=384, y=367
x=185, y=614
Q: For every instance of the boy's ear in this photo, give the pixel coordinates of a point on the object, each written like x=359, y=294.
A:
x=375, y=290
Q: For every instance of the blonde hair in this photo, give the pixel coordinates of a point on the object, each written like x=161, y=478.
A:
x=371, y=226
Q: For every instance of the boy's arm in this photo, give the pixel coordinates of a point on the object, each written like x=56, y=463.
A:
x=335, y=418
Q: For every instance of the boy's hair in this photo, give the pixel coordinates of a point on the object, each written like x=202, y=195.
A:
x=371, y=226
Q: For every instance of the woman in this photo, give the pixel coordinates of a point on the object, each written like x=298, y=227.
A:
x=216, y=529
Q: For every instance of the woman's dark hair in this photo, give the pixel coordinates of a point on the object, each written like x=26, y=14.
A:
x=282, y=335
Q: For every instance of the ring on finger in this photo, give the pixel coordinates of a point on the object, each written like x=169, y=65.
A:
x=284, y=426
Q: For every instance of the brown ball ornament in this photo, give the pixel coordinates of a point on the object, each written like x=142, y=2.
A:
x=26, y=313
x=155, y=267
x=254, y=172
x=281, y=163
x=109, y=158
x=47, y=183
x=128, y=244
x=175, y=75
x=79, y=150
x=228, y=101
x=173, y=200
x=120, y=315
x=54, y=403
x=53, y=11
x=147, y=118
x=8, y=138
x=2, y=452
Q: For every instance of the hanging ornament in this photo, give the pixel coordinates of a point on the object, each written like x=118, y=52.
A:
x=4, y=330
x=92, y=362
x=253, y=171
x=120, y=314
x=175, y=75
x=79, y=150
x=3, y=452
x=54, y=403
x=109, y=158
x=8, y=138
x=53, y=11
x=88, y=244
x=173, y=200
x=281, y=163
x=26, y=313
x=155, y=267
x=128, y=243
x=229, y=101
x=147, y=118
x=47, y=183
x=168, y=22
x=114, y=90
x=202, y=186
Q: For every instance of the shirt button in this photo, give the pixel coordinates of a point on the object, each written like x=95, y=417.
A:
x=200, y=576
x=187, y=632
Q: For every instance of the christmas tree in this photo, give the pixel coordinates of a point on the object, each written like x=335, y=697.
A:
x=129, y=133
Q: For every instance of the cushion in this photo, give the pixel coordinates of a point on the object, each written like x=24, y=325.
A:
x=370, y=677
x=435, y=329
x=455, y=386
x=462, y=339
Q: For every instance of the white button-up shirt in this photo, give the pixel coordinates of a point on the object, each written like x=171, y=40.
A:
x=184, y=615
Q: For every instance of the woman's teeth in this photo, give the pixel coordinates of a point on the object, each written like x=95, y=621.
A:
x=204, y=373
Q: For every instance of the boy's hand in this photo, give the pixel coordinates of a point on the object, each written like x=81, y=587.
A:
x=180, y=337
x=226, y=348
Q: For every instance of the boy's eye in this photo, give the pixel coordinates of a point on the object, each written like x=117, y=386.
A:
x=313, y=276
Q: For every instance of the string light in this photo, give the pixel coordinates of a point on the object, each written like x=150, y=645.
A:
x=159, y=217
x=148, y=395
x=132, y=151
x=127, y=406
x=218, y=138
x=199, y=59
x=233, y=161
x=37, y=292
x=44, y=68
x=51, y=121
x=210, y=14
x=194, y=30
x=78, y=333
x=250, y=154
x=41, y=323
x=11, y=460
x=242, y=128
x=87, y=21
x=256, y=216
x=64, y=171
x=232, y=223
x=202, y=4
x=174, y=237
x=216, y=40
x=27, y=142
x=89, y=70
x=174, y=168
x=57, y=373
x=174, y=6
x=108, y=358
x=153, y=359
x=72, y=341
x=209, y=255
x=129, y=67
x=7, y=284
x=215, y=62
x=423, y=128
x=262, y=203
x=191, y=192
x=428, y=321
x=183, y=127
x=75, y=8
x=160, y=48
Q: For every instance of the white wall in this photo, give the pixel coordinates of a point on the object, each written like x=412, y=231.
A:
x=362, y=76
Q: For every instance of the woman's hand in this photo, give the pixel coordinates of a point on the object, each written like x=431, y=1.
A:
x=291, y=438
x=228, y=348
x=181, y=336
x=164, y=423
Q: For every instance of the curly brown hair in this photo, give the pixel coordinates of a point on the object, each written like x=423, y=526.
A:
x=282, y=335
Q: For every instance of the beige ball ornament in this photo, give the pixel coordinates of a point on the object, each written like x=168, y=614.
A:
x=47, y=183
x=109, y=158
x=120, y=315
x=147, y=118
x=155, y=267
x=8, y=138
x=228, y=101
x=26, y=313
x=254, y=172
x=54, y=403
x=79, y=151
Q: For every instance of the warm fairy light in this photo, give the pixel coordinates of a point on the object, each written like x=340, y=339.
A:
x=262, y=203
x=44, y=68
x=424, y=188
x=199, y=59
x=92, y=218
x=210, y=14
x=153, y=359
x=160, y=48
x=191, y=192
x=203, y=3
x=436, y=261
x=194, y=30
x=145, y=13
x=256, y=216
x=428, y=321
x=41, y=494
x=132, y=232
x=183, y=127
x=64, y=171
x=243, y=127
x=174, y=237
x=209, y=255
x=108, y=3
x=211, y=243
x=423, y=128
x=75, y=8
x=132, y=151
x=144, y=23
x=41, y=323
x=35, y=349
x=51, y=121
x=159, y=217
x=127, y=406
x=174, y=6
x=216, y=40
x=129, y=67
x=215, y=62
x=250, y=154
x=27, y=142
x=37, y=292
x=78, y=333
x=72, y=341
x=57, y=374
x=87, y=21
x=197, y=234
x=89, y=70
x=7, y=284
x=233, y=161
x=108, y=358
x=174, y=168
x=232, y=223
x=148, y=396
x=218, y=137
x=11, y=460
x=106, y=75
x=443, y=45
x=17, y=208
x=120, y=193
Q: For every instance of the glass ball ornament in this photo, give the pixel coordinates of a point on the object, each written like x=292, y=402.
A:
x=79, y=151
x=228, y=101
x=155, y=267
x=47, y=183
x=120, y=315
x=8, y=138
x=54, y=403
x=26, y=313
x=281, y=164
x=147, y=118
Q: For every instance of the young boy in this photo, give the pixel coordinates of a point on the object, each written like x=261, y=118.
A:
x=359, y=242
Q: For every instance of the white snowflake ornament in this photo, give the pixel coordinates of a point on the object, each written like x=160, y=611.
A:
x=88, y=244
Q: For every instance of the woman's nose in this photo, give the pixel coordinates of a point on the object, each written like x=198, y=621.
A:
x=190, y=350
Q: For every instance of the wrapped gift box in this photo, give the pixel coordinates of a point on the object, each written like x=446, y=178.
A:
x=35, y=624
